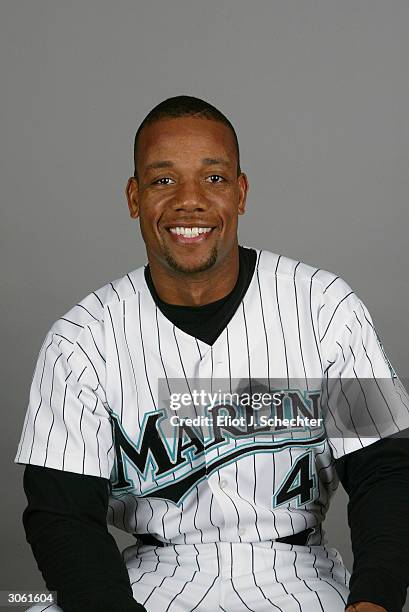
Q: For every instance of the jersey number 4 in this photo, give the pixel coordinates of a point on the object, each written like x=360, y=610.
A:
x=299, y=484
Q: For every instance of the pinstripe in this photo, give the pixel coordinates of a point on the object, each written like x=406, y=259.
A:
x=342, y=350
x=88, y=311
x=274, y=489
x=66, y=428
x=281, y=321
x=127, y=344
x=236, y=465
x=254, y=457
x=287, y=510
x=159, y=348
x=63, y=337
x=363, y=392
x=198, y=348
x=322, y=509
x=255, y=581
x=115, y=291
x=298, y=323
x=143, y=351
x=228, y=358
x=333, y=314
x=83, y=440
x=264, y=323
x=150, y=505
x=332, y=413
x=182, y=366
x=121, y=501
x=335, y=589
x=333, y=563
x=80, y=376
x=52, y=412
x=89, y=358
x=95, y=344
x=113, y=439
x=312, y=318
x=252, y=507
x=315, y=560
x=99, y=459
x=302, y=580
x=148, y=571
x=230, y=499
x=159, y=585
x=195, y=514
x=331, y=283
x=349, y=409
x=330, y=364
x=180, y=523
x=197, y=557
x=118, y=361
x=296, y=600
x=374, y=376
x=38, y=408
x=205, y=594
x=210, y=515
x=232, y=582
x=132, y=285
x=98, y=298
x=181, y=591
x=239, y=596
x=72, y=322
x=247, y=347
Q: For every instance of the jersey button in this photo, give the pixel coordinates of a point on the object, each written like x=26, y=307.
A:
x=242, y=531
x=223, y=484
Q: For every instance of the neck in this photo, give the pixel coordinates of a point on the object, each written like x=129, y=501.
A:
x=196, y=289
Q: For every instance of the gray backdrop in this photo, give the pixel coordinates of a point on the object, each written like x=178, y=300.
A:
x=318, y=91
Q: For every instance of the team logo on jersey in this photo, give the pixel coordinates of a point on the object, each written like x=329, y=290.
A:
x=169, y=467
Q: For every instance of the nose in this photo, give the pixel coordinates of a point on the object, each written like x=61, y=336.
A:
x=190, y=197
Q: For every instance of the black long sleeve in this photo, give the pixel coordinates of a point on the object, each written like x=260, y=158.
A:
x=65, y=524
x=376, y=480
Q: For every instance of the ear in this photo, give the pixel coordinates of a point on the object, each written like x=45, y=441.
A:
x=132, y=196
x=243, y=190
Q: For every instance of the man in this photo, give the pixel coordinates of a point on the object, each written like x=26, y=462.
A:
x=227, y=516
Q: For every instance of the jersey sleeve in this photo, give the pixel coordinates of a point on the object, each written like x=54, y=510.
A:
x=67, y=425
x=363, y=399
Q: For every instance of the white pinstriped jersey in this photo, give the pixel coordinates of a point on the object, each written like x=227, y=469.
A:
x=94, y=406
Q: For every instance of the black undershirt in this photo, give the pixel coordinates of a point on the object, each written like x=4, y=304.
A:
x=65, y=520
x=207, y=322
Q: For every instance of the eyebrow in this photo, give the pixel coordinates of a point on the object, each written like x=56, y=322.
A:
x=210, y=161
x=207, y=161
x=160, y=164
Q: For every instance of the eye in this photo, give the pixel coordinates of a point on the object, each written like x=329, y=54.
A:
x=215, y=178
x=161, y=181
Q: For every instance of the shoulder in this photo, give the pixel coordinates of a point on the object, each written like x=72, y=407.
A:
x=325, y=286
x=92, y=310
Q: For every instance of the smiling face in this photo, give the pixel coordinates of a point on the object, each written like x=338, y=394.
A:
x=187, y=195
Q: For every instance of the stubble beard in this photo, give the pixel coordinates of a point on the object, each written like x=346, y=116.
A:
x=188, y=270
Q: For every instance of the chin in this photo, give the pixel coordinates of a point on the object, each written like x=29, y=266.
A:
x=186, y=267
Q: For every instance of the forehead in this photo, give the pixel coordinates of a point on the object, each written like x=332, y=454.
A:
x=185, y=138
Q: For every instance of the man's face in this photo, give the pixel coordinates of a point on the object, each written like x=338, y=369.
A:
x=188, y=195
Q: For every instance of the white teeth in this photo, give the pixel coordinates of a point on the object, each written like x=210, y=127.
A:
x=189, y=232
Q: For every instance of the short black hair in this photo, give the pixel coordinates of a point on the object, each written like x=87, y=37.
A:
x=184, y=106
